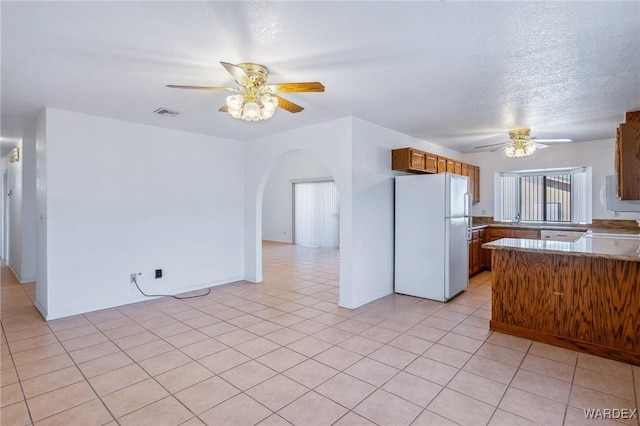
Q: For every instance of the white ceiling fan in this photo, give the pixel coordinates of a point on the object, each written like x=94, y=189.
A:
x=522, y=143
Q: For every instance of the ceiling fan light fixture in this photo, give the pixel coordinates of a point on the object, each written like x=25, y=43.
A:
x=262, y=108
x=251, y=112
x=529, y=149
x=520, y=148
x=269, y=102
x=235, y=102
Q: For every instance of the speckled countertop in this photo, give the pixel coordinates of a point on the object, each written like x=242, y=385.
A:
x=610, y=247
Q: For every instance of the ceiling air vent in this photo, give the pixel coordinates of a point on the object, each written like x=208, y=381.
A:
x=166, y=111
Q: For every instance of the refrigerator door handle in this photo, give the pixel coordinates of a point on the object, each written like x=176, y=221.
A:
x=467, y=214
x=467, y=204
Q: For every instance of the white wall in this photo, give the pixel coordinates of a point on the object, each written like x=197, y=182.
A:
x=42, y=263
x=121, y=197
x=373, y=206
x=277, y=201
x=28, y=160
x=597, y=154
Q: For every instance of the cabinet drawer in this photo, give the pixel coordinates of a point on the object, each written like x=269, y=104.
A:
x=496, y=233
x=526, y=233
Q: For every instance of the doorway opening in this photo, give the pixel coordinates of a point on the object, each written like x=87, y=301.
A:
x=300, y=233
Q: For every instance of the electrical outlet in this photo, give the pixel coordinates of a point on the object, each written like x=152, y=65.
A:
x=616, y=214
x=132, y=277
x=484, y=212
x=158, y=273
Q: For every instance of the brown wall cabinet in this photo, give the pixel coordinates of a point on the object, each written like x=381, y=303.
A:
x=627, y=158
x=416, y=161
x=409, y=160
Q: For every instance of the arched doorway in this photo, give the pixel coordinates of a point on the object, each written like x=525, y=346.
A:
x=330, y=142
x=300, y=229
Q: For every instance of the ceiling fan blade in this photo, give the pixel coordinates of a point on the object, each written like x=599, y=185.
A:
x=499, y=148
x=175, y=86
x=493, y=144
x=296, y=87
x=552, y=140
x=238, y=74
x=224, y=108
x=288, y=105
x=540, y=145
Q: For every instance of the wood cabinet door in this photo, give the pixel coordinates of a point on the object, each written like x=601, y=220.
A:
x=472, y=184
x=465, y=169
x=476, y=246
x=629, y=162
x=470, y=252
x=451, y=165
x=486, y=258
x=524, y=291
x=442, y=164
x=483, y=255
x=476, y=184
x=431, y=163
x=417, y=160
x=457, y=167
x=617, y=158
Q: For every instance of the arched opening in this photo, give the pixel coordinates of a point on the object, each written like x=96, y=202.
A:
x=300, y=217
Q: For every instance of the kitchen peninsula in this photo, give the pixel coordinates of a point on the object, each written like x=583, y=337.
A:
x=582, y=295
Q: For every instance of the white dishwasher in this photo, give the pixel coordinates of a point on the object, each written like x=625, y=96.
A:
x=555, y=235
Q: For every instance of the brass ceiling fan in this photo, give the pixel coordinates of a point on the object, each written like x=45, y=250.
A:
x=255, y=99
x=522, y=143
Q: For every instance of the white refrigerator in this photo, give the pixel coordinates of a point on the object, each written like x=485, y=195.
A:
x=432, y=233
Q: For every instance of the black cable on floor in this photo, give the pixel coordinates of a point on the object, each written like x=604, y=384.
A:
x=135, y=281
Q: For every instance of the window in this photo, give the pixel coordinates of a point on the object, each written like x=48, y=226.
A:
x=552, y=195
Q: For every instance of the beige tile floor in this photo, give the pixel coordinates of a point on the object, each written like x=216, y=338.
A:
x=282, y=352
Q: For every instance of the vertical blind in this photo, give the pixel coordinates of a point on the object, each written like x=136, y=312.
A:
x=544, y=196
x=317, y=217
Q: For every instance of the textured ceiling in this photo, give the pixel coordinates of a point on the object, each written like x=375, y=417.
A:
x=458, y=74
